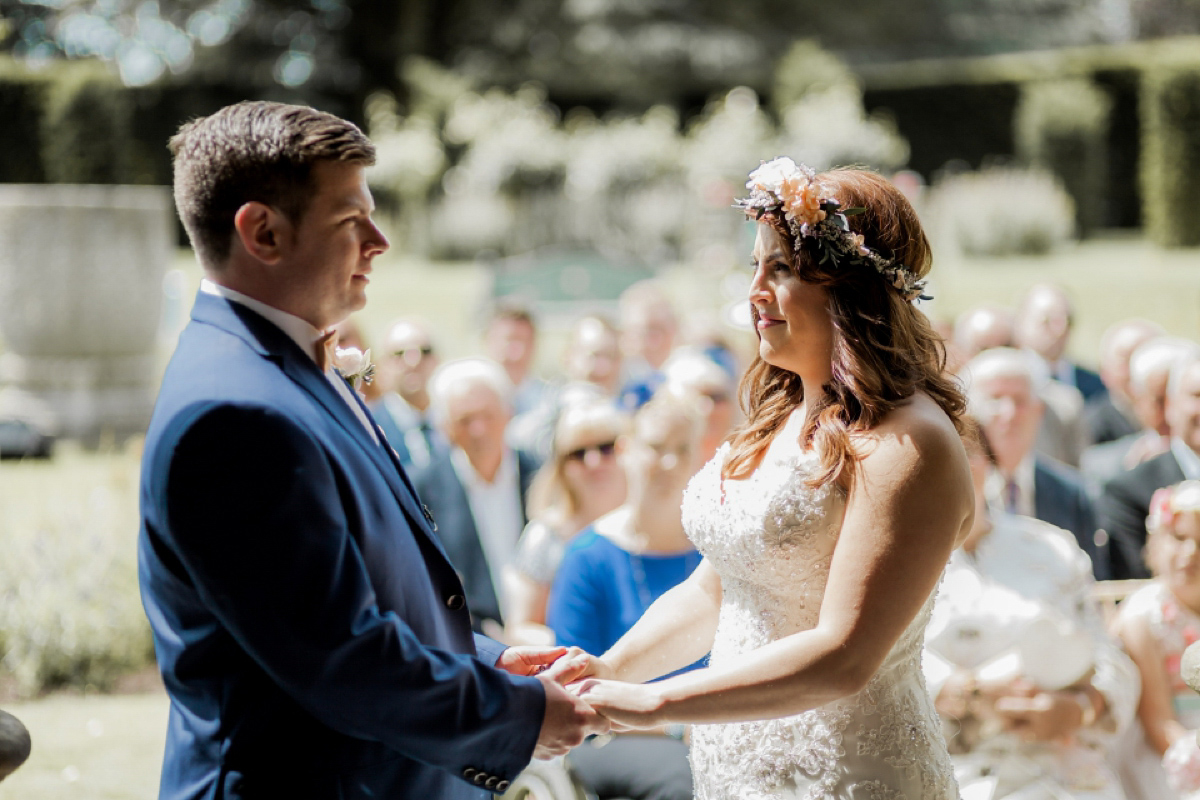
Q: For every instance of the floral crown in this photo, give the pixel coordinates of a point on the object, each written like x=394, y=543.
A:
x=810, y=212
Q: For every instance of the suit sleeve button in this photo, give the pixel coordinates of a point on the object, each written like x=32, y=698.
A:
x=492, y=782
x=455, y=602
x=469, y=773
x=502, y=787
x=479, y=778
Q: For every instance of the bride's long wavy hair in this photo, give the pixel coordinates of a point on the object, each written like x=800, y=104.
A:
x=884, y=348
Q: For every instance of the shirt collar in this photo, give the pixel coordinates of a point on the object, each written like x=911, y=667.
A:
x=470, y=478
x=304, y=335
x=1189, y=462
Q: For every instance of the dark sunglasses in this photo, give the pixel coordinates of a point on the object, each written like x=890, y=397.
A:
x=604, y=449
x=425, y=351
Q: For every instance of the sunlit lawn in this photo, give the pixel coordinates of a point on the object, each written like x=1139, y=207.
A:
x=92, y=747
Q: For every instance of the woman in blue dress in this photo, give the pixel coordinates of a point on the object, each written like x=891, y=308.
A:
x=612, y=573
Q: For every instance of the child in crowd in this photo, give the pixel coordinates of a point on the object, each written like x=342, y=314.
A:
x=1156, y=624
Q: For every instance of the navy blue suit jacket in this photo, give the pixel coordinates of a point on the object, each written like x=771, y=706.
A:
x=309, y=628
x=440, y=487
x=1124, y=505
x=1060, y=497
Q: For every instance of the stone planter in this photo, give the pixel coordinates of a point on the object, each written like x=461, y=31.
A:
x=81, y=270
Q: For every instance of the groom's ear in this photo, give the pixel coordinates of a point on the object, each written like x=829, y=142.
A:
x=260, y=229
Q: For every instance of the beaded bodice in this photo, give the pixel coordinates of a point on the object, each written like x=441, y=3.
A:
x=771, y=539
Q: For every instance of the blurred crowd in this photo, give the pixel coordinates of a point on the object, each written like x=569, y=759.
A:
x=558, y=502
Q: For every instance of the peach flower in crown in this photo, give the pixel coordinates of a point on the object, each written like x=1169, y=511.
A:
x=783, y=186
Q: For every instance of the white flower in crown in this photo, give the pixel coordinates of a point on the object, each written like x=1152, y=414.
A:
x=354, y=365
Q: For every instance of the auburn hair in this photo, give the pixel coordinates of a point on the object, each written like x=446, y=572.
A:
x=884, y=348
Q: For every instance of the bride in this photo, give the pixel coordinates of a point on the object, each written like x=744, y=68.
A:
x=825, y=521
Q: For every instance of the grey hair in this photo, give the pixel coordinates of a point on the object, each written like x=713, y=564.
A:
x=1180, y=367
x=454, y=377
x=1007, y=362
x=1160, y=354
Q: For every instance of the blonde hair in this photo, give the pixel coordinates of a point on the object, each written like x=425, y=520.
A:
x=551, y=494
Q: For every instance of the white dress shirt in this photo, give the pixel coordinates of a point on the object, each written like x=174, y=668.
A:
x=495, y=507
x=1189, y=462
x=304, y=335
x=996, y=488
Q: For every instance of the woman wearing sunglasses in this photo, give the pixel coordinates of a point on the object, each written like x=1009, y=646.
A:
x=611, y=574
x=580, y=482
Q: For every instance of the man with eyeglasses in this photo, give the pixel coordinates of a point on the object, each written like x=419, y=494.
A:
x=402, y=411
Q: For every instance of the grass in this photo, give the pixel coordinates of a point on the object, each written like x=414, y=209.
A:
x=96, y=747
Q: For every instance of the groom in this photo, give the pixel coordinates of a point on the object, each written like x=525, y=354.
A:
x=311, y=633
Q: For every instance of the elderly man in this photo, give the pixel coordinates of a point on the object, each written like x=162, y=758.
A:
x=1003, y=393
x=1110, y=416
x=981, y=328
x=1125, y=501
x=1043, y=326
x=476, y=489
x=1149, y=368
x=402, y=410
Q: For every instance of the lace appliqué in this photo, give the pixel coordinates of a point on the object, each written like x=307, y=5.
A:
x=771, y=539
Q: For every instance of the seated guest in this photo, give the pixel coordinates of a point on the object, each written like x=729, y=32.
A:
x=1043, y=326
x=593, y=355
x=611, y=574
x=511, y=341
x=14, y=744
x=1149, y=367
x=581, y=482
x=1156, y=624
x=476, y=489
x=1002, y=391
x=1110, y=415
x=648, y=329
x=981, y=328
x=1125, y=500
x=691, y=374
x=403, y=367
x=1030, y=688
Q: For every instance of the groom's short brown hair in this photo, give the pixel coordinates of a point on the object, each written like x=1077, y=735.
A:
x=254, y=151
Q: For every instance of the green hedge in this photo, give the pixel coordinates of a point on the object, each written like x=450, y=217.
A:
x=1062, y=126
x=69, y=123
x=1170, y=111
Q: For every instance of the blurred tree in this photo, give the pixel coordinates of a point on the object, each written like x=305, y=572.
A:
x=625, y=54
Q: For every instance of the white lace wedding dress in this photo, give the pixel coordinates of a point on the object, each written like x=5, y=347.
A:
x=771, y=539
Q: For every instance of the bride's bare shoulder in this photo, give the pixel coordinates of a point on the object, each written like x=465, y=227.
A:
x=916, y=430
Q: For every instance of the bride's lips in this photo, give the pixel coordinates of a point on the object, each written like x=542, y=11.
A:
x=767, y=321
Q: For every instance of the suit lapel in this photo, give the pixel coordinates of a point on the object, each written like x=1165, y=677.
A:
x=272, y=343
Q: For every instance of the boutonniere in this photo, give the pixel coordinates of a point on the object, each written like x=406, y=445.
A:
x=354, y=366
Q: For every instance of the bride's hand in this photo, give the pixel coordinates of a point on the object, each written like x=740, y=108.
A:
x=627, y=705
x=577, y=665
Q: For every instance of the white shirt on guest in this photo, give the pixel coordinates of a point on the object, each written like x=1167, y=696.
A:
x=1189, y=462
x=495, y=507
x=996, y=488
x=304, y=335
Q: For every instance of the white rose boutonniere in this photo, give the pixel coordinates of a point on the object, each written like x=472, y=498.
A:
x=354, y=366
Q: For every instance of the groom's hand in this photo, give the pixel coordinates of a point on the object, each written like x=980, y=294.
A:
x=568, y=720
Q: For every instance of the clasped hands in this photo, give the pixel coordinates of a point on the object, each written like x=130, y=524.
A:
x=1017, y=706
x=582, y=696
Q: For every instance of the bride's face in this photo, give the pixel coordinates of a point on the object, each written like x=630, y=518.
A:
x=795, y=331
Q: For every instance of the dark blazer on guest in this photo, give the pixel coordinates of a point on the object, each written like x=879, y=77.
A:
x=1060, y=497
x=1105, y=422
x=1087, y=382
x=1123, y=506
x=440, y=488
x=311, y=633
